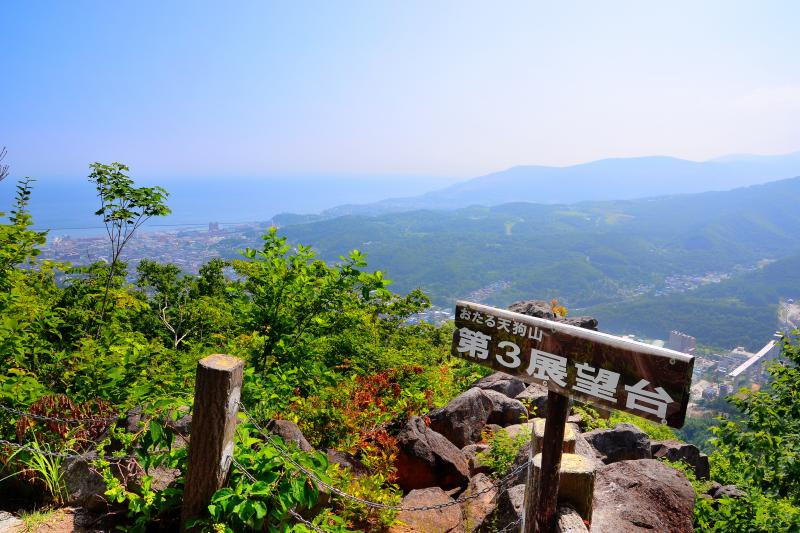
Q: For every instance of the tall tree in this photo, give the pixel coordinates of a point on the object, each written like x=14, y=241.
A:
x=124, y=209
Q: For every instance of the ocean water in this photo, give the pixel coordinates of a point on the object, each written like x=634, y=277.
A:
x=66, y=206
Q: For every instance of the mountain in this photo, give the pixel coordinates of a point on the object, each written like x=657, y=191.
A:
x=606, y=179
x=587, y=254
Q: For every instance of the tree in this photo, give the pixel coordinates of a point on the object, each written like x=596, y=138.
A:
x=124, y=209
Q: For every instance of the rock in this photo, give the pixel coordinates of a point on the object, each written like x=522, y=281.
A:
x=727, y=491
x=476, y=510
x=582, y=447
x=347, y=461
x=289, y=432
x=491, y=429
x=10, y=523
x=585, y=322
x=502, y=383
x=445, y=520
x=134, y=420
x=713, y=488
x=84, y=484
x=681, y=451
x=541, y=309
x=462, y=420
x=471, y=453
x=620, y=443
x=510, y=508
x=427, y=459
x=642, y=495
x=534, y=308
x=505, y=411
x=183, y=425
x=535, y=399
x=569, y=521
x=520, y=429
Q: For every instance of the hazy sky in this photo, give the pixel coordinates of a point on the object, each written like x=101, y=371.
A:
x=379, y=87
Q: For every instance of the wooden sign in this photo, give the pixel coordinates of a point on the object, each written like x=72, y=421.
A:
x=598, y=368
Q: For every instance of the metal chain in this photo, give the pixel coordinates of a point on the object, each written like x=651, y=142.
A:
x=292, y=512
x=108, y=419
x=62, y=455
x=511, y=526
x=311, y=475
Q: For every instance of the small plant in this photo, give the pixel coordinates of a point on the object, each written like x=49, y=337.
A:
x=503, y=449
x=40, y=467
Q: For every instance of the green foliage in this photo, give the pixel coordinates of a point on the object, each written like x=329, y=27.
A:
x=44, y=469
x=502, y=451
x=653, y=430
x=124, y=208
x=265, y=504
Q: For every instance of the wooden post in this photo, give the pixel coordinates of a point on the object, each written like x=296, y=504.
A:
x=543, y=492
x=217, y=390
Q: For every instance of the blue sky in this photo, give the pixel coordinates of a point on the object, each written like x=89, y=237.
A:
x=391, y=88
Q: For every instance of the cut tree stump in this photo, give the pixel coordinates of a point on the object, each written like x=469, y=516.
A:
x=538, y=436
x=576, y=482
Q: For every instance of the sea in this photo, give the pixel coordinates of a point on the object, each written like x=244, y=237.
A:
x=66, y=206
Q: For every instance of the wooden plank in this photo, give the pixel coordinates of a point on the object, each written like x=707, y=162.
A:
x=597, y=368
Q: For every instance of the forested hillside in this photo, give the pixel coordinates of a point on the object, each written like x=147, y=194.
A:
x=587, y=254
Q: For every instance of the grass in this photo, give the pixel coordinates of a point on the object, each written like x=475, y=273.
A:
x=31, y=520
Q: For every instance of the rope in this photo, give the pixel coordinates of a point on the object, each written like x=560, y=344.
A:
x=376, y=505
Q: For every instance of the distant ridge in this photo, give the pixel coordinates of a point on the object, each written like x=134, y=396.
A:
x=602, y=180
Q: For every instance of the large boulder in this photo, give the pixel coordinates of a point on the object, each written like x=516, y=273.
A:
x=534, y=397
x=427, y=459
x=462, y=420
x=85, y=486
x=505, y=411
x=620, y=443
x=477, y=509
x=445, y=520
x=681, y=451
x=502, y=383
x=642, y=495
x=289, y=432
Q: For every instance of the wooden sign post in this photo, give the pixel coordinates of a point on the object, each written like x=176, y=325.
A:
x=607, y=371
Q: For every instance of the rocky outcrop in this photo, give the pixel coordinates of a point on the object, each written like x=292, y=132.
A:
x=622, y=442
x=643, y=495
x=445, y=520
x=690, y=454
x=502, y=383
x=427, y=459
x=541, y=309
x=289, y=432
x=463, y=419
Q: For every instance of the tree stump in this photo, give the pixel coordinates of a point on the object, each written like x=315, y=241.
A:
x=576, y=482
x=538, y=436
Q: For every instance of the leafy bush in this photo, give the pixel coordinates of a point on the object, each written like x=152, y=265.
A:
x=502, y=451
